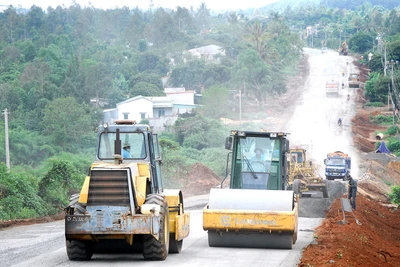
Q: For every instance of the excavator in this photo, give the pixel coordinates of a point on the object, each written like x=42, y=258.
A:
x=123, y=199
x=344, y=49
x=303, y=176
x=257, y=210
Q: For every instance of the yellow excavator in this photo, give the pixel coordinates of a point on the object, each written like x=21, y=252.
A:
x=123, y=199
x=256, y=210
x=303, y=175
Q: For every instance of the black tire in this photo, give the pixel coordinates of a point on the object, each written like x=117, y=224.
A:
x=325, y=192
x=296, y=186
x=79, y=250
x=294, y=238
x=154, y=249
x=175, y=246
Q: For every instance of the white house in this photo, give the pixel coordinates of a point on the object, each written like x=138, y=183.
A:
x=136, y=108
x=208, y=52
x=161, y=112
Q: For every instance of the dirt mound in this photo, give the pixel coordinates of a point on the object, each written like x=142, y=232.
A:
x=364, y=130
x=201, y=180
x=374, y=243
x=20, y=222
x=373, y=190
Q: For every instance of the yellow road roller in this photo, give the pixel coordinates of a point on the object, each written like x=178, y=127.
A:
x=257, y=210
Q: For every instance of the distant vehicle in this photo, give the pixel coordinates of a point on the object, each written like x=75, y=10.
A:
x=332, y=87
x=354, y=80
x=301, y=169
x=337, y=165
x=324, y=49
x=343, y=49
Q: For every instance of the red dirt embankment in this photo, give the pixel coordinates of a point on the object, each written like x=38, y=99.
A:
x=374, y=243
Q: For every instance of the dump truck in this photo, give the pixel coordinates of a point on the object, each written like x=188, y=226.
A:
x=337, y=166
x=332, y=87
x=257, y=210
x=122, y=198
x=354, y=80
x=303, y=176
x=343, y=49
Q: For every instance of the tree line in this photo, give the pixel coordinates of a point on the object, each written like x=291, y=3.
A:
x=56, y=63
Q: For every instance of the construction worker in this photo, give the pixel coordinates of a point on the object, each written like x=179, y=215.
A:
x=352, y=192
x=126, y=151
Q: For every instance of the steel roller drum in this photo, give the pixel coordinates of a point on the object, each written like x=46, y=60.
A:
x=250, y=200
x=246, y=199
x=250, y=240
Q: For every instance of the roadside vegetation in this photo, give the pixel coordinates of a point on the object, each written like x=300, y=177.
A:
x=61, y=67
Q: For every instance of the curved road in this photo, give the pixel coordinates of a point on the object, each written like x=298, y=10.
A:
x=314, y=122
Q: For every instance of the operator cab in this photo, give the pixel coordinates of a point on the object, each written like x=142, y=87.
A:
x=126, y=140
x=258, y=160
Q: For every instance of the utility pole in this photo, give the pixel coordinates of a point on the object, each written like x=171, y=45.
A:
x=6, y=137
x=384, y=66
x=240, y=107
x=395, y=101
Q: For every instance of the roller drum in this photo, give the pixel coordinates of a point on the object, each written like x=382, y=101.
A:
x=246, y=199
x=251, y=200
x=250, y=240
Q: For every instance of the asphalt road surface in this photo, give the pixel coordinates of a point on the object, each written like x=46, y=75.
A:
x=314, y=122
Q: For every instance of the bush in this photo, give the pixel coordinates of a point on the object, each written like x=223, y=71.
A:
x=375, y=104
x=19, y=196
x=394, y=195
x=393, y=144
x=382, y=119
x=392, y=130
x=59, y=183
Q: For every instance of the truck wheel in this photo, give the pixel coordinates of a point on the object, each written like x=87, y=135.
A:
x=175, y=246
x=154, y=249
x=325, y=193
x=79, y=250
x=296, y=186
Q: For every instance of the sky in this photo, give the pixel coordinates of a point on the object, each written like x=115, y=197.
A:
x=143, y=4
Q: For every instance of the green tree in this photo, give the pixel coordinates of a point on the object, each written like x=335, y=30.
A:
x=190, y=75
x=258, y=36
x=216, y=102
x=376, y=88
x=97, y=82
x=150, y=62
x=199, y=132
x=146, y=89
x=164, y=30
x=67, y=123
x=19, y=196
x=203, y=16
x=251, y=70
x=361, y=42
x=147, y=77
x=59, y=183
